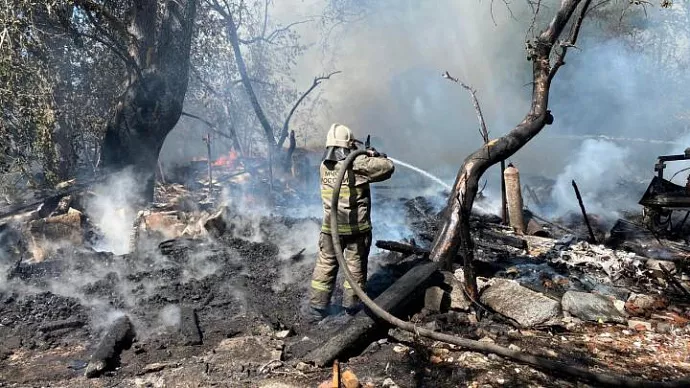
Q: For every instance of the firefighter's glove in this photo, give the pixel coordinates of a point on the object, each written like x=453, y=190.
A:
x=371, y=151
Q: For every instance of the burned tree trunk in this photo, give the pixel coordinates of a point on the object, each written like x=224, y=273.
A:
x=454, y=234
x=287, y=163
x=158, y=51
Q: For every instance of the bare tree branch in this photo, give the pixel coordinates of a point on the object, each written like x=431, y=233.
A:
x=232, y=137
x=231, y=29
x=273, y=35
x=113, y=45
x=100, y=10
x=535, y=12
x=317, y=81
x=473, y=92
x=574, y=32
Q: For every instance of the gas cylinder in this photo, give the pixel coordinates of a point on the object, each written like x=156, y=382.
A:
x=514, y=198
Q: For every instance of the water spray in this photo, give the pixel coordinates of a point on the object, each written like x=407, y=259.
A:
x=422, y=172
x=539, y=362
x=367, y=145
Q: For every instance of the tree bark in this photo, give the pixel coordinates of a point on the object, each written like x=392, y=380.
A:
x=231, y=29
x=152, y=103
x=454, y=234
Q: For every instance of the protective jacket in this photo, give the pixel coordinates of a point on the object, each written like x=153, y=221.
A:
x=354, y=204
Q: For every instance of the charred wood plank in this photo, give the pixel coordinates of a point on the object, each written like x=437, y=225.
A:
x=408, y=249
x=553, y=224
x=364, y=324
x=483, y=267
x=675, y=282
x=500, y=238
x=119, y=337
x=584, y=213
x=62, y=324
x=189, y=327
x=401, y=247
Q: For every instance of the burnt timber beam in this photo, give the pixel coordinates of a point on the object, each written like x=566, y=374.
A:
x=364, y=324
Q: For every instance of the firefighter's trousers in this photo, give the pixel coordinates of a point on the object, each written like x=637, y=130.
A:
x=356, y=251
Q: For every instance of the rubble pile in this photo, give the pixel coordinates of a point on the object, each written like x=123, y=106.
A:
x=211, y=293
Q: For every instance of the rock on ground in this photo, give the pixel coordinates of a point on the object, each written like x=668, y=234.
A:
x=591, y=307
x=526, y=307
x=458, y=299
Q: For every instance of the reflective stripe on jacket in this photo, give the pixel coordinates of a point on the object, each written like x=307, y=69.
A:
x=354, y=202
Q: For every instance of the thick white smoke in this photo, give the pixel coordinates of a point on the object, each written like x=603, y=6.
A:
x=619, y=82
x=598, y=167
x=112, y=209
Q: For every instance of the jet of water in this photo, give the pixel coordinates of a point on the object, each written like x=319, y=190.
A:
x=419, y=170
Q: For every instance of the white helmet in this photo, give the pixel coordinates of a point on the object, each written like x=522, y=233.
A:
x=339, y=136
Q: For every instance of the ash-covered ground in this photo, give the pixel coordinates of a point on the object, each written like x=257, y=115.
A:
x=226, y=310
x=236, y=286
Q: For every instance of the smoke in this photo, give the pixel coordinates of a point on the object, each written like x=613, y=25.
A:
x=620, y=82
x=598, y=167
x=113, y=210
x=169, y=316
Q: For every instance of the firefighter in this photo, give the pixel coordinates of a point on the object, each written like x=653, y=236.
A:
x=354, y=218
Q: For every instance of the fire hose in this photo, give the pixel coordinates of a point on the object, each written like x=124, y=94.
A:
x=539, y=362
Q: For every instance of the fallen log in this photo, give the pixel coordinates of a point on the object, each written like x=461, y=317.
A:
x=119, y=337
x=408, y=249
x=189, y=327
x=51, y=197
x=500, y=238
x=364, y=323
x=553, y=224
x=62, y=324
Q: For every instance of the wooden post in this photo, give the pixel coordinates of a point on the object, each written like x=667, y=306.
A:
x=584, y=213
x=504, y=211
x=270, y=170
x=207, y=140
x=160, y=171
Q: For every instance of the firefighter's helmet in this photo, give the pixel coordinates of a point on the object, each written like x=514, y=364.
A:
x=339, y=136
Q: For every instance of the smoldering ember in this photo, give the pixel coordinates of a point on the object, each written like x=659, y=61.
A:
x=332, y=193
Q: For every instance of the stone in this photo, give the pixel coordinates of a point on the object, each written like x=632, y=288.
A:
x=47, y=234
x=655, y=265
x=639, y=325
x=63, y=205
x=284, y=333
x=400, y=335
x=389, y=383
x=644, y=305
x=526, y=307
x=591, y=307
x=157, y=367
x=434, y=299
x=303, y=366
x=349, y=379
x=163, y=225
x=249, y=349
x=216, y=224
x=664, y=328
x=458, y=299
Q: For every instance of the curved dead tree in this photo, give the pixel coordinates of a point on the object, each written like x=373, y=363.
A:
x=158, y=38
x=454, y=235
